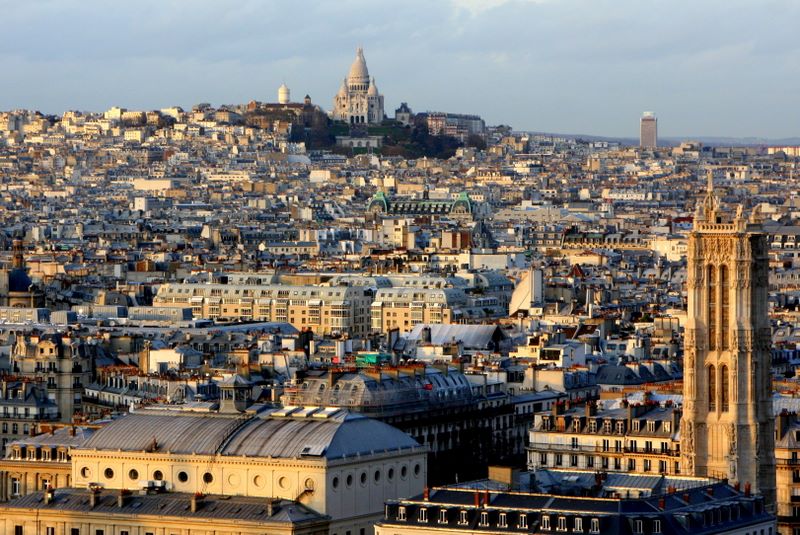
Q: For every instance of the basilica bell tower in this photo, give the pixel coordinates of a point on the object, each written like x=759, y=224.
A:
x=727, y=428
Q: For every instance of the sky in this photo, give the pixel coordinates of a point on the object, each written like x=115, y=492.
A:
x=705, y=67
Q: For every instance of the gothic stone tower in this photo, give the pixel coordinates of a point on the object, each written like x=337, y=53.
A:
x=727, y=429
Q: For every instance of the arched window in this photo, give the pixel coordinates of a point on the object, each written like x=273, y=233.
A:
x=724, y=388
x=724, y=283
x=712, y=388
x=712, y=307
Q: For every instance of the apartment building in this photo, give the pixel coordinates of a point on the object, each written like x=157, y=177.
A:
x=325, y=310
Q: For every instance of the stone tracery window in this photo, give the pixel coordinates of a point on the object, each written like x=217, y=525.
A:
x=712, y=388
x=712, y=307
x=724, y=388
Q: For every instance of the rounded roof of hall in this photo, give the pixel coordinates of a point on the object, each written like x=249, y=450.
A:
x=343, y=434
x=358, y=70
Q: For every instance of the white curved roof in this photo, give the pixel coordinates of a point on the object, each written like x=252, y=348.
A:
x=343, y=434
x=358, y=70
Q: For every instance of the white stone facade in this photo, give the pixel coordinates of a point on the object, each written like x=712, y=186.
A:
x=358, y=100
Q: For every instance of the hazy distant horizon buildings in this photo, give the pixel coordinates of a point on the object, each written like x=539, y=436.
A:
x=648, y=131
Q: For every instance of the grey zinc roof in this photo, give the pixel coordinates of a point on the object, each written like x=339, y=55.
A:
x=236, y=508
x=472, y=336
x=341, y=435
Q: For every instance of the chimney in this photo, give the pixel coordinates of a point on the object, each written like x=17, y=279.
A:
x=477, y=499
x=93, y=495
x=662, y=503
x=272, y=506
x=737, y=486
x=486, y=498
x=122, y=498
x=686, y=497
x=591, y=409
x=782, y=422
x=710, y=491
x=747, y=488
x=197, y=500
x=426, y=494
x=49, y=495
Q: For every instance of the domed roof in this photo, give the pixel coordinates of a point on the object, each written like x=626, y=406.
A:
x=343, y=89
x=283, y=94
x=358, y=70
x=373, y=89
x=18, y=280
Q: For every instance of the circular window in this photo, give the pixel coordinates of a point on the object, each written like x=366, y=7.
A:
x=109, y=473
x=157, y=475
x=403, y=472
x=258, y=481
x=283, y=482
x=133, y=474
x=416, y=469
x=350, y=480
x=234, y=480
x=208, y=477
x=335, y=482
x=183, y=477
x=390, y=474
x=309, y=484
x=85, y=472
x=363, y=477
x=377, y=475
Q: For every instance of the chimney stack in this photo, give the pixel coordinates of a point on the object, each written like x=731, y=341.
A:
x=747, y=488
x=272, y=506
x=477, y=499
x=197, y=500
x=426, y=494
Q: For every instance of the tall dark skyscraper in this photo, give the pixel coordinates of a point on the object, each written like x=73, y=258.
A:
x=648, y=131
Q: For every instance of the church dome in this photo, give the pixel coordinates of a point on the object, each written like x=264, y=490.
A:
x=358, y=70
x=373, y=89
x=343, y=89
x=283, y=94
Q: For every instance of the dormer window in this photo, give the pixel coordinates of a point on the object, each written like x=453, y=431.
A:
x=443, y=516
x=562, y=523
x=463, y=518
x=423, y=515
x=484, y=519
x=578, y=524
x=401, y=513
x=651, y=426
x=638, y=526
x=576, y=425
x=594, y=527
x=502, y=520
x=522, y=523
x=593, y=426
x=668, y=427
x=620, y=427
x=546, y=523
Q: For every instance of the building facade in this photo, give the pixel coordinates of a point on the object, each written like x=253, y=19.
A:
x=648, y=131
x=358, y=101
x=322, y=309
x=727, y=429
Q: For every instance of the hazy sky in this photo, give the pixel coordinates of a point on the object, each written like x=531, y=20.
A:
x=706, y=67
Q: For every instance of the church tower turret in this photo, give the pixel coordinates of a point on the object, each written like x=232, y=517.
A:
x=727, y=428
